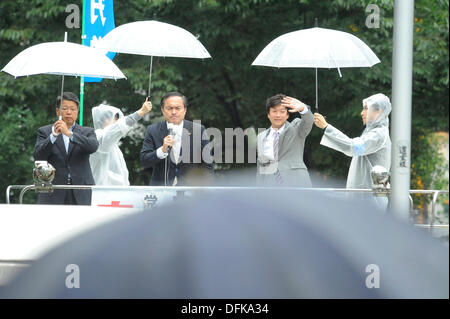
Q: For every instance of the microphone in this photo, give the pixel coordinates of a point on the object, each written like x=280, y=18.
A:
x=170, y=128
x=171, y=133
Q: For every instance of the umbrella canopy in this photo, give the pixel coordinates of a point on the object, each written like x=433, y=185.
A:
x=317, y=48
x=153, y=38
x=62, y=58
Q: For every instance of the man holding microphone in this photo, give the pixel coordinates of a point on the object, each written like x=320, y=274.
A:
x=173, y=148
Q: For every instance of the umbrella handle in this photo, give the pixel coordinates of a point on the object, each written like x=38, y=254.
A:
x=317, y=94
x=150, y=77
x=62, y=85
x=61, y=99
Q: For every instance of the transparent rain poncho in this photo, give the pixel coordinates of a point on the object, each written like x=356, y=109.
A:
x=107, y=163
x=372, y=148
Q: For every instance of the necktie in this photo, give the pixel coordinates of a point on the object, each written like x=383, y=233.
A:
x=278, y=178
x=176, y=154
x=176, y=151
x=176, y=147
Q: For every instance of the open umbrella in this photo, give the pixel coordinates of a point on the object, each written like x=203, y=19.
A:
x=317, y=48
x=62, y=58
x=153, y=38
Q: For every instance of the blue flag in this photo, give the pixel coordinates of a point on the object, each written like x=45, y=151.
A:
x=98, y=21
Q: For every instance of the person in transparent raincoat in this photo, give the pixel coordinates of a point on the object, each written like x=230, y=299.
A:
x=107, y=163
x=372, y=148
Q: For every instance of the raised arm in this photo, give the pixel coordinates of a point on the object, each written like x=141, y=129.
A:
x=367, y=143
x=306, y=123
x=111, y=134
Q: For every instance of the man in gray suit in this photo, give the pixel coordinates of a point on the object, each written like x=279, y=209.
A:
x=280, y=147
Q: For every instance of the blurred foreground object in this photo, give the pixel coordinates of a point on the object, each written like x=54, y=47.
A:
x=245, y=244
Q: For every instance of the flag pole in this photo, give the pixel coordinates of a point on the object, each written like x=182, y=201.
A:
x=83, y=36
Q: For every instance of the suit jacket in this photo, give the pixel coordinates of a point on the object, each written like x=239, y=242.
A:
x=191, y=169
x=75, y=162
x=290, y=163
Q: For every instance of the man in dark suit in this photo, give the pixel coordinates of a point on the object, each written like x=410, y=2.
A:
x=67, y=146
x=177, y=149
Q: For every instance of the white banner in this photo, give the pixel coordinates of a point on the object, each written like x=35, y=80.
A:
x=135, y=196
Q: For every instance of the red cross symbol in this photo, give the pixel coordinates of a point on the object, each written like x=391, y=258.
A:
x=116, y=204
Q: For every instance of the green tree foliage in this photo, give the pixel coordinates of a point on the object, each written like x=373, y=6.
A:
x=224, y=91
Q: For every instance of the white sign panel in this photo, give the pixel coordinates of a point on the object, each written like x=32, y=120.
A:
x=135, y=197
x=402, y=156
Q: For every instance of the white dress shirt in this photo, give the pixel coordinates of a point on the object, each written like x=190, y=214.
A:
x=176, y=147
x=66, y=139
x=268, y=140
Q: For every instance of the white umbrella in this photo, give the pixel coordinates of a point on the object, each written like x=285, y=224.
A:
x=153, y=38
x=317, y=48
x=62, y=58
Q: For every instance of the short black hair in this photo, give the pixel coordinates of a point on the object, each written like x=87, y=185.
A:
x=171, y=94
x=274, y=101
x=68, y=96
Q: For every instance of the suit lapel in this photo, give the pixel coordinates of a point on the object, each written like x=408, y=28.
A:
x=282, y=135
x=60, y=144
x=163, y=131
x=188, y=127
x=260, y=146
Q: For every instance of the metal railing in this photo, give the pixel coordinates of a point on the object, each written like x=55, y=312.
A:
x=182, y=189
x=435, y=193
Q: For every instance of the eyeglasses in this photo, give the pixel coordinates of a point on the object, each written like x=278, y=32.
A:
x=73, y=109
